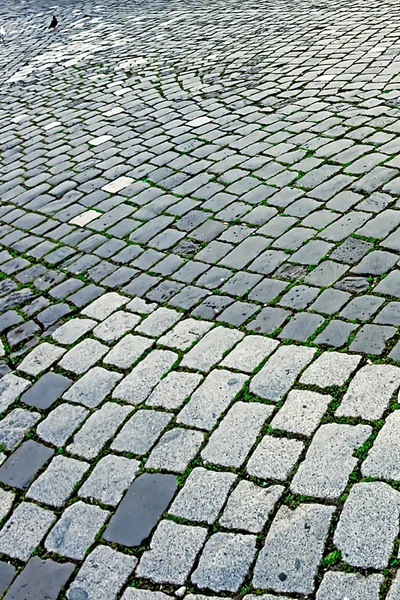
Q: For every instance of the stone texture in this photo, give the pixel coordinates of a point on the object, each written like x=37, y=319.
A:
x=141, y=432
x=110, y=478
x=259, y=502
x=301, y=412
x=75, y=532
x=369, y=392
x=24, y=530
x=233, y=439
x=368, y=525
x=21, y=467
x=174, y=389
x=61, y=423
x=128, y=350
x=280, y=372
x=249, y=353
x=15, y=426
x=175, y=450
x=383, y=460
x=203, y=495
x=138, y=513
x=11, y=387
x=173, y=550
x=102, y=575
x=57, y=483
x=102, y=308
x=211, y=349
x=225, y=561
x=49, y=388
x=336, y=586
x=331, y=368
x=274, y=458
x=293, y=549
x=79, y=359
x=211, y=399
x=329, y=460
x=41, y=358
x=93, y=387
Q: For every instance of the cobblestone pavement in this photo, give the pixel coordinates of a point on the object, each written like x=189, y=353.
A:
x=200, y=300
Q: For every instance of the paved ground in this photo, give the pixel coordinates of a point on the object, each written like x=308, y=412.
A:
x=200, y=300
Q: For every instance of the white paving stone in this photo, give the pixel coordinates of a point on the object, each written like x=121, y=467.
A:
x=72, y=330
x=184, y=334
x=15, y=425
x=331, y=368
x=102, y=308
x=127, y=351
x=249, y=353
x=93, y=387
x=383, y=460
x=11, y=387
x=24, y=530
x=159, y=321
x=84, y=355
x=175, y=450
x=338, y=586
x=141, y=432
x=115, y=326
x=274, y=458
x=301, y=412
x=211, y=348
x=109, y=479
x=61, y=423
x=173, y=390
x=41, y=358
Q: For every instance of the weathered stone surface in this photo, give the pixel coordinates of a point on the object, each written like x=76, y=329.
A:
x=11, y=387
x=184, y=334
x=159, y=321
x=336, y=586
x=72, y=330
x=102, y=575
x=75, y=532
x=203, y=495
x=24, y=530
x=41, y=358
x=144, y=377
x=56, y=484
x=331, y=368
x=109, y=479
x=137, y=515
x=40, y=579
x=211, y=399
x=100, y=427
x=127, y=351
x=115, y=326
x=293, y=549
x=301, y=412
x=249, y=353
x=141, y=432
x=93, y=387
x=7, y=574
x=369, y=392
x=274, y=458
x=15, y=425
x=233, y=439
x=6, y=502
x=80, y=358
x=175, y=450
x=173, y=390
x=368, y=525
x=249, y=506
x=280, y=372
x=211, y=349
x=61, y=423
x=329, y=460
x=102, y=308
x=225, y=561
x=173, y=550
x=383, y=460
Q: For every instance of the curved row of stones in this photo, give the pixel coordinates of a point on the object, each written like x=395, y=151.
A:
x=141, y=446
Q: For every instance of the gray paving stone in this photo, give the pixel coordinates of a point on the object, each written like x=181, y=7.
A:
x=138, y=513
x=233, y=439
x=351, y=250
x=15, y=426
x=6, y=502
x=115, y=326
x=211, y=399
x=127, y=351
x=369, y=392
x=268, y=320
x=143, y=378
x=330, y=368
x=203, y=495
x=225, y=561
x=84, y=355
x=173, y=550
x=389, y=315
x=293, y=549
x=280, y=372
x=336, y=585
x=362, y=308
x=299, y=297
x=301, y=412
x=175, y=450
x=7, y=574
x=329, y=460
x=61, y=423
x=258, y=501
x=249, y=353
x=41, y=358
x=173, y=390
x=102, y=308
x=376, y=262
x=382, y=460
x=93, y=387
x=368, y=525
x=267, y=290
x=57, y=483
x=372, y=339
x=141, y=432
x=336, y=333
x=110, y=478
x=301, y=327
x=102, y=575
x=211, y=348
x=76, y=530
x=21, y=467
x=184, y=334
x=24, y=530
x=49, y=388
x=40, y=579
x=274, y=458
x=98, y=429
x=390, y=285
